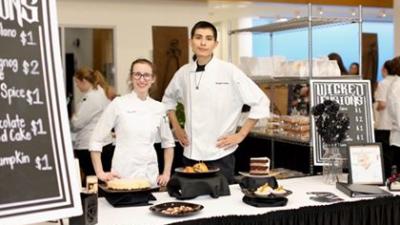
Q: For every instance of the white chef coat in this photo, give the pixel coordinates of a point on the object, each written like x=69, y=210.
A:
x=393, y=105
x=381, y=94
x=90, y=108
x=213, y=110
x=138, y=123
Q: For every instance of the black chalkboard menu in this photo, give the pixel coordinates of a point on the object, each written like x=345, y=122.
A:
x=354, y=98
x=37, y=175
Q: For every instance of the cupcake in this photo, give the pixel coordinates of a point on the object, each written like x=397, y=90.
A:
x=279, y=191
x=263, y=190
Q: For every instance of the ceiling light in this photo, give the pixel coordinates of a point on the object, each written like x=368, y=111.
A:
x=297, y=14
x=243, y=5
x=320, y=11
x=224, y=6
x=281, y=20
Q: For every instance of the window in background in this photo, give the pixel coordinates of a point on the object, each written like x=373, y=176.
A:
x=341, y=39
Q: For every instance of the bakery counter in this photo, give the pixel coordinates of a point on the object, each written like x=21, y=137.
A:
x=300, y=209
x=260, y=133
x=284, y=151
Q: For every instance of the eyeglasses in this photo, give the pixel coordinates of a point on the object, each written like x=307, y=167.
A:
x=138, y=75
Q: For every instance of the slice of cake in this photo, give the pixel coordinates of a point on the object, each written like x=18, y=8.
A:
x=259, y=165
x=128, y=184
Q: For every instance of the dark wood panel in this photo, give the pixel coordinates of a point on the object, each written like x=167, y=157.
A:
x=170, y=52
x=370, y=58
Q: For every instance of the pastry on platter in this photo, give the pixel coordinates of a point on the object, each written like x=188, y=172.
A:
x=128, y=184
x=279, y=191
x=200, y=167
x=264, y=190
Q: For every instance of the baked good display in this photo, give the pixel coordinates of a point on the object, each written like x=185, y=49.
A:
x=177, y=210
x=394, y=182
x=267, y=191
x=200, y=167
x=395, y=185
x=259, y=165
x=264, y=190
x=128, y=184
x=279, y=191
x=196, y=168
x=189, y=169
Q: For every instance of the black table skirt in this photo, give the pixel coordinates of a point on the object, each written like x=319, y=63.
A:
x=379, y=211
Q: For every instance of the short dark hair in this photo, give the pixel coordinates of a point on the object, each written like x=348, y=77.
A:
x=395, y=65
x=388, y=67
x=204, y=25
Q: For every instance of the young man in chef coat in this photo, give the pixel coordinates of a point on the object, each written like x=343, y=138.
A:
x=213, y=93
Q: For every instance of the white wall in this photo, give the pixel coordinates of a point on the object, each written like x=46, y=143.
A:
x=132, y=22
x=82, y=53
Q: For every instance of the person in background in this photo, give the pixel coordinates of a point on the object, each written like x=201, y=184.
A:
x=111, y=93
x=93, y=86
x=138, y=121
x=383, y=124
x=300, y=105
x=354, y=69
x=393, y=105
x=335, y=56
x=213, y=93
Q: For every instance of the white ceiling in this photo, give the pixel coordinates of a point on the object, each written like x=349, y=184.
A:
x=222, y=10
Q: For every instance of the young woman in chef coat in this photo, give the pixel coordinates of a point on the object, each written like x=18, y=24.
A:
x=138, y=121
x=93, y=86
x=213, y=93
x=393, y=105
x=383, y=122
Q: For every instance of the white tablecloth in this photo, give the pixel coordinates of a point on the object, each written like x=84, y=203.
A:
x=226, y=205
x=222, y=206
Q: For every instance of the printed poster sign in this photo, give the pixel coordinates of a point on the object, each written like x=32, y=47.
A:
x=354, y=98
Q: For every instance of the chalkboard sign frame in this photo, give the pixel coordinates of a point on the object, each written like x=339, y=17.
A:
x=364, y=129
x=38, y=36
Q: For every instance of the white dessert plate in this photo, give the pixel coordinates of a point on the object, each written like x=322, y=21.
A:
x=247, y=174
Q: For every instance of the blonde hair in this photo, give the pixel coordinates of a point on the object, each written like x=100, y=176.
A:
x=94, y=77
x=141, y=61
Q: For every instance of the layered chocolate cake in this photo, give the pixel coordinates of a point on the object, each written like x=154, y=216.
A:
x=259, y=165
